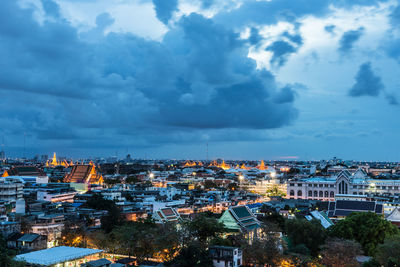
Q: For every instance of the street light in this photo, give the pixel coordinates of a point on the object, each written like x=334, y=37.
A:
x=151, y=175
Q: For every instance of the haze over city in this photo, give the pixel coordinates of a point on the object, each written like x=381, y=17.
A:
x=305, y=79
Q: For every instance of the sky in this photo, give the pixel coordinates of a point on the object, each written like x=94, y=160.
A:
x=249, y=79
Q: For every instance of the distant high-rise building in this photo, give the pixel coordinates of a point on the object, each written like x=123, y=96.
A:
x=44, y=158
x=2, y=155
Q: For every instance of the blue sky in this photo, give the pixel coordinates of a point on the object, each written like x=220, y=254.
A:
x=255, y=79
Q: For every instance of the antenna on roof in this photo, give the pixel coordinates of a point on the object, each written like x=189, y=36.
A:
x=2, y=154
x=24, y=145
x=207, y=152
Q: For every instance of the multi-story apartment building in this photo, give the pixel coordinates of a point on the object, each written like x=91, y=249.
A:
x=344, y=183
x=51, y=226
x=11, y=189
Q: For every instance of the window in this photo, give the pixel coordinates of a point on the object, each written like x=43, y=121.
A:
x=292, y=192
x=310, y=193
x=291, y=184
x=343, y=187
x=354, y=187
x=332, y=185
x=332, y=194
x=321, y=194
x=299, y=193
x=315, y=193
x=326, y=194
x=354, y=193
x=299, y=184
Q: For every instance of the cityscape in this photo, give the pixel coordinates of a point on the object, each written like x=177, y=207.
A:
x=199, y=133
x=57, y=211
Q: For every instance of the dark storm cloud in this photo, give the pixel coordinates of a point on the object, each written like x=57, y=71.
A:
x=367, y=82
x=165, y=9
x=286, y=95
x=348, y=39
x=281, y=49
x=198, y=78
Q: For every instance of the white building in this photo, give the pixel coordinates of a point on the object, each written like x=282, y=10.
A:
x=223, y=256
x=11, y=189
x=55, y=196
x=344, y=183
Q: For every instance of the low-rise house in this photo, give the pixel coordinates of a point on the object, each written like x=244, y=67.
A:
x=27, y=242
x=224, y=256
x=241, y=219
x=49, y=225
x=166, y=215
x=394, y=217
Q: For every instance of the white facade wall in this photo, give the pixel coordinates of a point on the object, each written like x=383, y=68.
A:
x=325, y=189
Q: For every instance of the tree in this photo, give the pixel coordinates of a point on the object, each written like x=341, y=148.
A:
x=263, y=251
x=192, y=255
x=272, y=216
x=137, y=238
x=232, y=186
x=339, y=252
x=113, y=217
x=275, y=192
x=204, y=228
x=6, y=256
x=131, y=179
x=111, y=182
x=367, y=228
x=388, y=253
x=209, y=184
x=167, y=241
x=309, y=233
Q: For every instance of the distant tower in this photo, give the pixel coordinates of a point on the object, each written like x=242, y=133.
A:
x=2, y=153
x=54, y=160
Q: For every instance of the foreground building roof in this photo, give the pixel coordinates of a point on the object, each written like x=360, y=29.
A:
x=56, y=255
x=84, y=174
x=239, y=218
x=343, y=208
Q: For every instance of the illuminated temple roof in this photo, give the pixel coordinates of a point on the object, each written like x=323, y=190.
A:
x=24, y=171
x=86, y=174
x=54, y=162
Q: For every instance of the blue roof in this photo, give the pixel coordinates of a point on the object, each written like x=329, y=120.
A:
x=254, y=205
x=76, y=204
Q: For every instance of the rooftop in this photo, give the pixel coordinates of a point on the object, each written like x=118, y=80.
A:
x=56, y=255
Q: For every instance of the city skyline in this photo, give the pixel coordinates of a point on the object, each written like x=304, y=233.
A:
x=158, y=79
